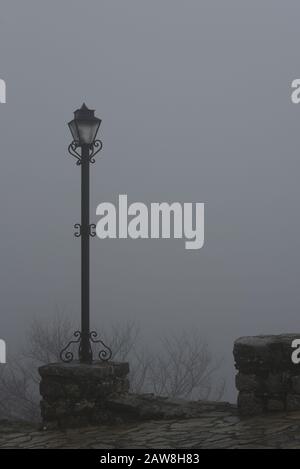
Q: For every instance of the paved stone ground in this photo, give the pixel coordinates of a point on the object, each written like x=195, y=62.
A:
x=214, y=429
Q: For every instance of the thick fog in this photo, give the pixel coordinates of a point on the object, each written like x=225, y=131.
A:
x=195, y=102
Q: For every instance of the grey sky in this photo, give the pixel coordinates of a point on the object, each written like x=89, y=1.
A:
x=195, y=102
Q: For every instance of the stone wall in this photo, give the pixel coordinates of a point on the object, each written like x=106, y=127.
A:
x=77, y=394
x=267, y=379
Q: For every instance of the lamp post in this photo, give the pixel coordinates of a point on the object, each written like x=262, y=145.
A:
x=84, y=128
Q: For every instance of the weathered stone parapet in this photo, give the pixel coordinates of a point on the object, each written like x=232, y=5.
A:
x=267, y=379
x=77, y=394
x=143, y=407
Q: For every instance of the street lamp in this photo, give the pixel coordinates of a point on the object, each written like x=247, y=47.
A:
x=84, y=128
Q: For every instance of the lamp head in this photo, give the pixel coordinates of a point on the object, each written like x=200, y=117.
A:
x=84, y=127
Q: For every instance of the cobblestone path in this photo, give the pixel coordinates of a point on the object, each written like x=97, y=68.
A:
x=221, y=429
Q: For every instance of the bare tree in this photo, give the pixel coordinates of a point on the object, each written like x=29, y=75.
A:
x=19, y=396
x=122, y=339
x=184, y=368
x=181, y=367
x=46, y=339
x=19, y=379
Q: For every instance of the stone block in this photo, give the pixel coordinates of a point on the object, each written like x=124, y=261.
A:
x=276, y=383
x=247, y=383
x=276, y=405
x=80, y=371
x=77, y=394
x=265, y=353
x=249, y=404
x=295, y=384
x=267, y=378
x=293, y=402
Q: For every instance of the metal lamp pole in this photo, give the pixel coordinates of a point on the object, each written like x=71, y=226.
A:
x=85, y=350
x=84, y=147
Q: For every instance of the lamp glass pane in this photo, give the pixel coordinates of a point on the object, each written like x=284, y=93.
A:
x=73, y=129
x=87, y=130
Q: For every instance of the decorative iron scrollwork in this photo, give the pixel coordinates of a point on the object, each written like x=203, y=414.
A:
x=77, y=233
x=94, y=149
x=92, y=230
x=105, y=354
x=67, y=356
x=72, y=149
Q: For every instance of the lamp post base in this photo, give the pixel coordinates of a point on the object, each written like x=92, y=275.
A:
x=75, y=394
